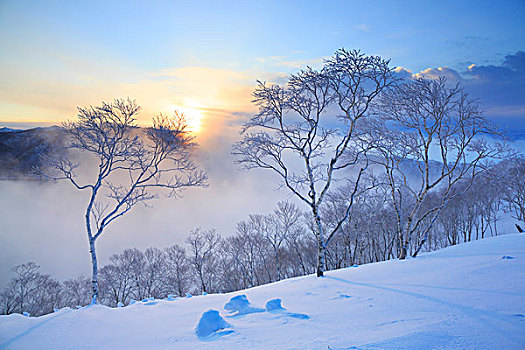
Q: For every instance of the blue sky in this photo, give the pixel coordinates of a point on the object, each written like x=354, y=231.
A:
x=153, y=35
x=57, y=55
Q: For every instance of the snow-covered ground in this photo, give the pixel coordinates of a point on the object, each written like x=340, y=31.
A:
x=470, y=296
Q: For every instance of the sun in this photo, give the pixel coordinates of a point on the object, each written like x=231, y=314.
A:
x=193, y=116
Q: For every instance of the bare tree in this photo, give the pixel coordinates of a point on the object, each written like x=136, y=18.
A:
x=178, y=270
x=117, y=280
x=48, y=297
x=130, y=163
x=514, y=195
x=366, y=235
x=26, y=282
x=301, y=253
x=154, y=272
x=204, y=245
x=31, y=291
x=305, y=132
x=77, y=291
x=110, y=284
x=8, y=299
x=242, y=262
x=283, y=222
x=429, y=137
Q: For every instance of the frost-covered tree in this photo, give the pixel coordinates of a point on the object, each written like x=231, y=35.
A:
x=429, y=137
x=8, y=302
x=178, y=270
x=77, y=291
x=282, y=221
x=31, y=291
x=513, y=173
x=366, y=236
x=203, y=257
x=116, y=283
x=243, y=259
x=306, y=131
x=26, y=282
x=131, y=164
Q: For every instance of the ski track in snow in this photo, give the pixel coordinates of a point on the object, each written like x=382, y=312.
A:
x=484, y=317
x=30, y=329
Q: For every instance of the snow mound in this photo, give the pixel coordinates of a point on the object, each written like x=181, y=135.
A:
x=212, y=325
x=274, y=306
x=241, y=306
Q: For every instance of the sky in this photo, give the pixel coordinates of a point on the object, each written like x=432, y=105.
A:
x=204, y=57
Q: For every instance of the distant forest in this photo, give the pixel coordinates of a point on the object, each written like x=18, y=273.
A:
x=267, y=248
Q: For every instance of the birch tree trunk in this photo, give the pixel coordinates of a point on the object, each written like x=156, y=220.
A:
x=94, y=276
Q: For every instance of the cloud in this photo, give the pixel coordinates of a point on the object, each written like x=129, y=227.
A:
x=403, y=73
x=512, y=70
x=516, y=62
x=499, y=88
x=468, y=42
x=434, y=73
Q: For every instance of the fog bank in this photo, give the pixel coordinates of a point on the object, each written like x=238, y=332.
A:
x=44, y=222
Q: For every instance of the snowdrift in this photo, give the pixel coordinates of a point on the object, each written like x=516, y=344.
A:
x=470, y=296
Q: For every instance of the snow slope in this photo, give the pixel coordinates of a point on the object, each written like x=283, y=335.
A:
x=470, y=296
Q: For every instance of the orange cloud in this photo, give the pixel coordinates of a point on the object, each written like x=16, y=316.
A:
x=435, y=73
x=39, y=95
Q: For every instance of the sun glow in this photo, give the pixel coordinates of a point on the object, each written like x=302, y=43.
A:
x=193, y=115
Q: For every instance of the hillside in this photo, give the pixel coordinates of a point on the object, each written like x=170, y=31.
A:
x=23, y=152
x=470, y=296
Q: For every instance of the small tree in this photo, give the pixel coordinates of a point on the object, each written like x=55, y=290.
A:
x=282, y=223
x=306, y=132
x=130, y=163
x=27, y=281
x=77, y=291
x=203, y=257
x=118, y=280
x=178, y=271
x=31, y=291
x=514, y=194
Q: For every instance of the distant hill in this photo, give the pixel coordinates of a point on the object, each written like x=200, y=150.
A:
x=22, y=152
x=6, y=129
